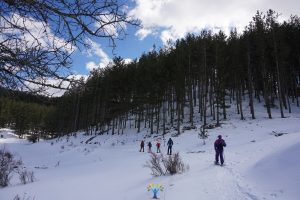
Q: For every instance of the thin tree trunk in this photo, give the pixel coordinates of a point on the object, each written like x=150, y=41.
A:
x=250, y=85
x=151, y=120
x=241, y=102
x=157, y=118
x=164, y=116
x=224, y=104
x=190, y=92
x=178, y=117
x=278, y=77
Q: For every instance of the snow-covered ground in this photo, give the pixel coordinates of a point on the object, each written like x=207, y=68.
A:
x=258, y=164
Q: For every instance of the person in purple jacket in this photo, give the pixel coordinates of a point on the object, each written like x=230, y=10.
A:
x=219, y=144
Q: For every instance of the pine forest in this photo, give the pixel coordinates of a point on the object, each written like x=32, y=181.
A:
x=197, y=77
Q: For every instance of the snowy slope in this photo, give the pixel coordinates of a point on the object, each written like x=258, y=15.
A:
x=259, y=165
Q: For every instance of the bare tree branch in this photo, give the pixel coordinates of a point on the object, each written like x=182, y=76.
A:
x=37, y=37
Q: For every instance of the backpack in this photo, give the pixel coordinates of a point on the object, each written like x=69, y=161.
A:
x=220, y=143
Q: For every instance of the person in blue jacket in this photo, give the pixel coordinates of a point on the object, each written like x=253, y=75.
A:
x=149, y=147
x=170, y=144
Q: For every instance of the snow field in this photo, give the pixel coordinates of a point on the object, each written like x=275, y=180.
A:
x=258, y=165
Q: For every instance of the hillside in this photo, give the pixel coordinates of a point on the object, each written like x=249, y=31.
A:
x=261, y=162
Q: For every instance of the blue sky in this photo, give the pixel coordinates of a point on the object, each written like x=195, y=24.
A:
x=164, y=20
x=130, y=47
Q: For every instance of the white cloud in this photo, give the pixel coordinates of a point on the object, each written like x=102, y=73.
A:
x=95, y=49
x=143, y=33
x=32, y=33
x=110, y=29
x=52, y=91
x=91, y=65
x=167, y=35
x=127, y=60
x=175, y=18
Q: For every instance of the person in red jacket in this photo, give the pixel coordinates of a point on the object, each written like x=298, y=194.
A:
x=158, y=147
x=219, y=144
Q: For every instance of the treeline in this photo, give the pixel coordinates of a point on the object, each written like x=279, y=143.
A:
x=199, y=76
x=27, y=114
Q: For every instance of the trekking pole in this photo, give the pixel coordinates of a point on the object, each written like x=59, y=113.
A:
x=224, y=155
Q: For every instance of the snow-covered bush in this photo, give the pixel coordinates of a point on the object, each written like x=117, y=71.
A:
x=26, y=176
x=33, y=138
x=161, y=165
x=17, y=197
x=173, y=164
x=155, y=164
x=8, y=165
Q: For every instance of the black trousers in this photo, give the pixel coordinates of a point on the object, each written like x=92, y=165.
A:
x=219, y=153
x=169, y=150
x=142, y=148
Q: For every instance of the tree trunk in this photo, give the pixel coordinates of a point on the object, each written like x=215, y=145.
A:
x=178, y=117
x=241, y=102
x=278, y=76
x=190, y=93
x=250, y=85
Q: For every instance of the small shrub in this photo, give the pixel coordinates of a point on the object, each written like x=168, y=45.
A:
x=23, y=177
x=173, y=164
x=211, y=126
x=155, y=165
x=8, y=165
x=33, y=138
x=26, y=177
x=161, y=165
x=17, y=197
x=187, y=128
x=203, y=134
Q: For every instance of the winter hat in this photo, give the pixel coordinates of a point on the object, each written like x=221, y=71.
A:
x=219, y=136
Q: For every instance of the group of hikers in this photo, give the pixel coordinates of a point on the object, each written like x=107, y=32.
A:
x=169, y=144
x=219, y=145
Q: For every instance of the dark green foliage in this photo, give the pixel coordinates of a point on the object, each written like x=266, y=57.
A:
x=208, y=71
x=27, y=114
x=202, y=75
x=33, y=138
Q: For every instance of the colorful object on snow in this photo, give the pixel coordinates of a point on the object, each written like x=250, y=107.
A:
x=155, y=188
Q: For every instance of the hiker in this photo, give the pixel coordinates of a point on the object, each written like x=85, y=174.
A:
x=158, y=147
x=219, y=144
x=142, y=146
x=149, y=147
x=170, y=144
